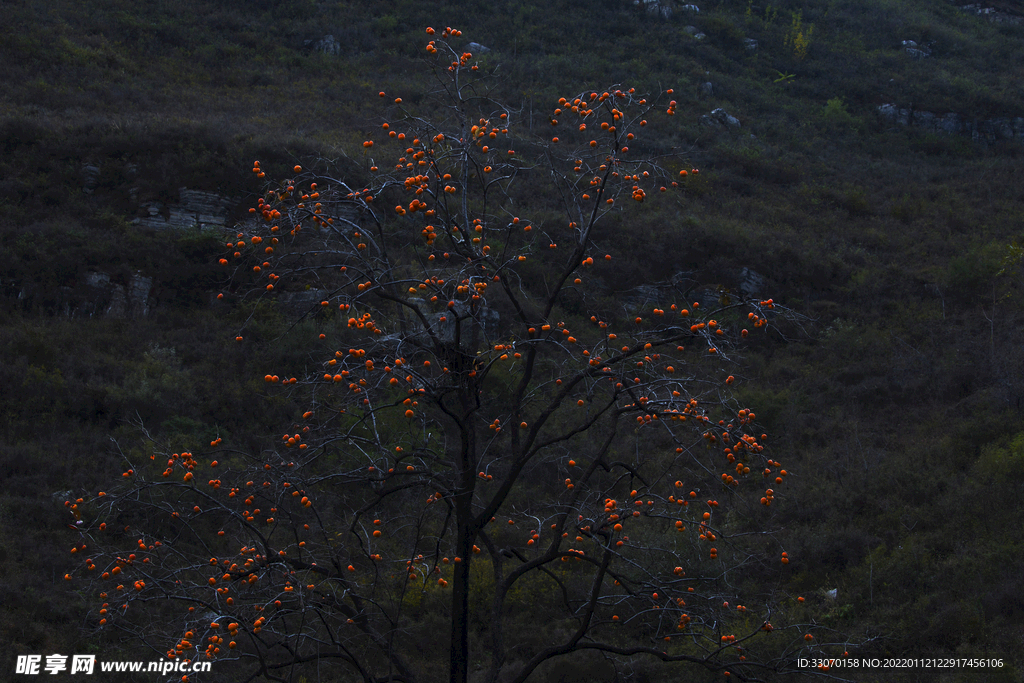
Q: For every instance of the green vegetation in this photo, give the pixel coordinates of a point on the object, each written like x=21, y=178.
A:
x=898, y=409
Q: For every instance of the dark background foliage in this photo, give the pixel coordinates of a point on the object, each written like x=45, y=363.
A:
x=899, y=407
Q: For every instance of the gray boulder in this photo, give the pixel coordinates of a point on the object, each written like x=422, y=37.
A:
x=915, y=50
x=720, y=117
x=751, y=283
x=328, y=45
x=659, y=7
x=90, y=178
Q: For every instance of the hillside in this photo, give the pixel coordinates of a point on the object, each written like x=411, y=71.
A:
x=860, y=163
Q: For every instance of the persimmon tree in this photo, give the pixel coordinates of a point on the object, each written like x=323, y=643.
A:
x=497, y=464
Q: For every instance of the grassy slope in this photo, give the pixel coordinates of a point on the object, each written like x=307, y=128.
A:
x=899, y=410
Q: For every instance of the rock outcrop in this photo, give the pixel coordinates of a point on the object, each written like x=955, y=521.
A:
x=98, y=296
x=485, y=320
x=195, y=210
x=328, y=45
x=720, y=118
x=662, y=8
x=990, y=130
x=90, y=178
x=1005, y=13
x=751, y=283
x=301, y=302
x=683, y=289
x=916, y=51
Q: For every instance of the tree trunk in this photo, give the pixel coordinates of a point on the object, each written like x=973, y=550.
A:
x=458, y=667
x=459, y=662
